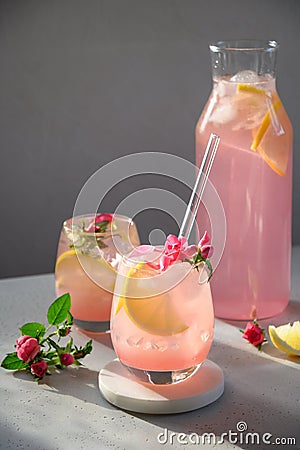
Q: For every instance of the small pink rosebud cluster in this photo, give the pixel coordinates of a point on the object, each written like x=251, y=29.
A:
x=27, y=348
x=178, y=248
x=36, y=350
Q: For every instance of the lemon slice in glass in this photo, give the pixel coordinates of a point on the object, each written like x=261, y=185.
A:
x=286, y=337
x=156, y=314
x=82, y=271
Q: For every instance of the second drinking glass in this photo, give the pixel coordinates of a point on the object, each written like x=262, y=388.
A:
x=89, y=250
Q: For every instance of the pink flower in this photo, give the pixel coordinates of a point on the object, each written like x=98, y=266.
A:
x=175, y=248
x=207, y=251
x=164, y=262
x=205, y=239
x=185, y=249
x=66, y=359
x=95, y=226
x=254, y=334
x=178, y=248
x=38, y=369
x=205, y=247
x=27, y=348
x=171, y=251
x=172, y=245
x=104, y=218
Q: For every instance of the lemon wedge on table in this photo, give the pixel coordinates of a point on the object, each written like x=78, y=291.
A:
x=156, y=314
x=270, y=140
x=286, y=337
x=81, y=270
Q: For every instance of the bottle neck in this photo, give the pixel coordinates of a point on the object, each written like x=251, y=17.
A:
x=257, y=58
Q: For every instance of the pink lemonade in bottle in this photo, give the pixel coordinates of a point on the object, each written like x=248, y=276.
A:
x=253, y=177
x=161, y=323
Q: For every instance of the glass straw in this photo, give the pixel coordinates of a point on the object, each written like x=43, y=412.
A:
x=196, y=196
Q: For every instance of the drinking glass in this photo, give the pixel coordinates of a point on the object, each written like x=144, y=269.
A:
x=161, y=322
x=87, y=258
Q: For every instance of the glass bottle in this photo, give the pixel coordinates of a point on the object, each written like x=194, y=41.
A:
x=252, y=173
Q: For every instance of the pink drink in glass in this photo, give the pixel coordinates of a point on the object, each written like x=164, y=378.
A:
x=86, y=267
x=161, y=324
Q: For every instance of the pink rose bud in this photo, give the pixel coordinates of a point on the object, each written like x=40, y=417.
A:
x=94, y=226
x=104, y=218
x=204, y=240
x=206, y=251
x=27, y=348
x=38, y=369
x=66, y=359
x=253, y=334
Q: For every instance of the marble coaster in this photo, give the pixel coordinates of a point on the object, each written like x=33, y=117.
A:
x=125, y=391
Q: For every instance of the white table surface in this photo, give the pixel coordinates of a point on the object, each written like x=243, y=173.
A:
x=67, y=411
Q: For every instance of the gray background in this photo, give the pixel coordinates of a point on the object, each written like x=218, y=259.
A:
x=85, y=82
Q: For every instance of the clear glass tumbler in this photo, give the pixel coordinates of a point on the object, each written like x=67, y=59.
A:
x=161, y=323
x=89, y=251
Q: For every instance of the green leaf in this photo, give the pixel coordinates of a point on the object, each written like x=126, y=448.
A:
x=12, y=362
x=70, y=319
x=59, y=310
x=33, y=329
x=208, y=263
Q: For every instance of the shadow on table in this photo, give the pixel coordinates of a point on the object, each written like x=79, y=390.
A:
x=81, y=383
x=245, y=403
x=77, y=382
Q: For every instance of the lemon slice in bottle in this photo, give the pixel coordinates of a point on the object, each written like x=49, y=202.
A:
x=153, y=314
x=241, y=87
x=269, y=139
x=286, y=337
x=83, y=272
